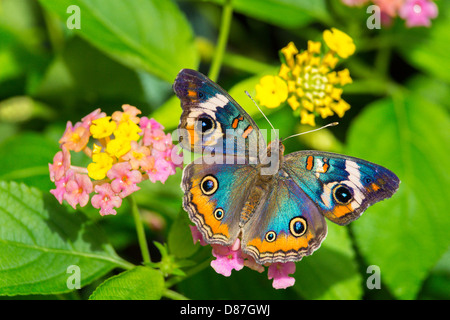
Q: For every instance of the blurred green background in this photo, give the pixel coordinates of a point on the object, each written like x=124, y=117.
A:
x=129, y=52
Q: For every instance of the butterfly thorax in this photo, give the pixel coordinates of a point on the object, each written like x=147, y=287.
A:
x=271, y=162
x=276, y=147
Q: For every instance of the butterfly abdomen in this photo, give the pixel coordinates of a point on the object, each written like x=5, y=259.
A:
x=253, y=200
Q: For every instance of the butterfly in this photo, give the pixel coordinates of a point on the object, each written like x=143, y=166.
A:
x=275, y=203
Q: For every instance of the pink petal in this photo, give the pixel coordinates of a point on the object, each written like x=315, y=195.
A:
x=279, y=272
x=197, y=236
x=227, y=259
x=106, y=199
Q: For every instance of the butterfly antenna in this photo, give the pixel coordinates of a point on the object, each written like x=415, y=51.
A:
x=246, y=92
x=299, y=134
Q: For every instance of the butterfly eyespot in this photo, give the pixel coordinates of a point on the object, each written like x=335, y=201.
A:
x=205, y=124
x=297, y=226
x=270, y=236
x=218, y=213
x=342, y=194
x=209, y=185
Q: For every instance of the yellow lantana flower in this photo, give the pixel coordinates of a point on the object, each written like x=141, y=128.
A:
x=101, y=164
x=102, y=127
x=118, y=147
x=307, y=118
x=339, y=42
x=271, y=91
x=306, y=79
x=289, y=52
x=128, y=130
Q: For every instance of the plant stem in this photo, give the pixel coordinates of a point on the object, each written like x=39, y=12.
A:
x=140, y=230
x=174, y=295
x=382, y=61
x=227, y=15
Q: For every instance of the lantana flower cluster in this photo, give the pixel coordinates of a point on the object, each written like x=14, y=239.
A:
x=125, y=150
x=232, y=258
x=307, y=80
x=416, y=13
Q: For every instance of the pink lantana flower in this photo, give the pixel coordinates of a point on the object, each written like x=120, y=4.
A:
x=75, y=137
x=227, y=258
x=160, y=170
x=354, y=3
x=279, y=272
x=94, y=115
x=171, y=156
x=137, y=156
x=389, y=7
x=197, y=236
x=78, y=189
x=130, y=113
x=418, y=12
x=151, y=124
x=158, y=139
x=61, y=163
x=150, y=128
x=61, y=184
x=106, y=199
x=124, y=179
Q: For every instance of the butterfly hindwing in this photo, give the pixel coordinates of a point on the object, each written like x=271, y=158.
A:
x=214, y=197
x=286, y=225
x=212, y=121
x=341, y=186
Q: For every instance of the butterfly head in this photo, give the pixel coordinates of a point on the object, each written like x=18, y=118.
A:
x=275, y=147
x=272, y=160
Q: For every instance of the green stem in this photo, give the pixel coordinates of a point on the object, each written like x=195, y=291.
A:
x=382, y=61
x=225, y=24
x=174, y=295
x=140, y=230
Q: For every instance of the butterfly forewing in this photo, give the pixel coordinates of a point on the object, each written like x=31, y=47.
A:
x=341, y=186
x=212, y=122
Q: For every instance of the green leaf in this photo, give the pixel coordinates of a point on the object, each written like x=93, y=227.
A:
x=180, y=238
x=139, y=283
x=432, y=89
x=437, y=285
x=283, y=13
x=40, y=240
x=148, y=35
x=169, y=113
x=21, y=50
x=25, y=158
x=331, y=272
x=406, y=235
